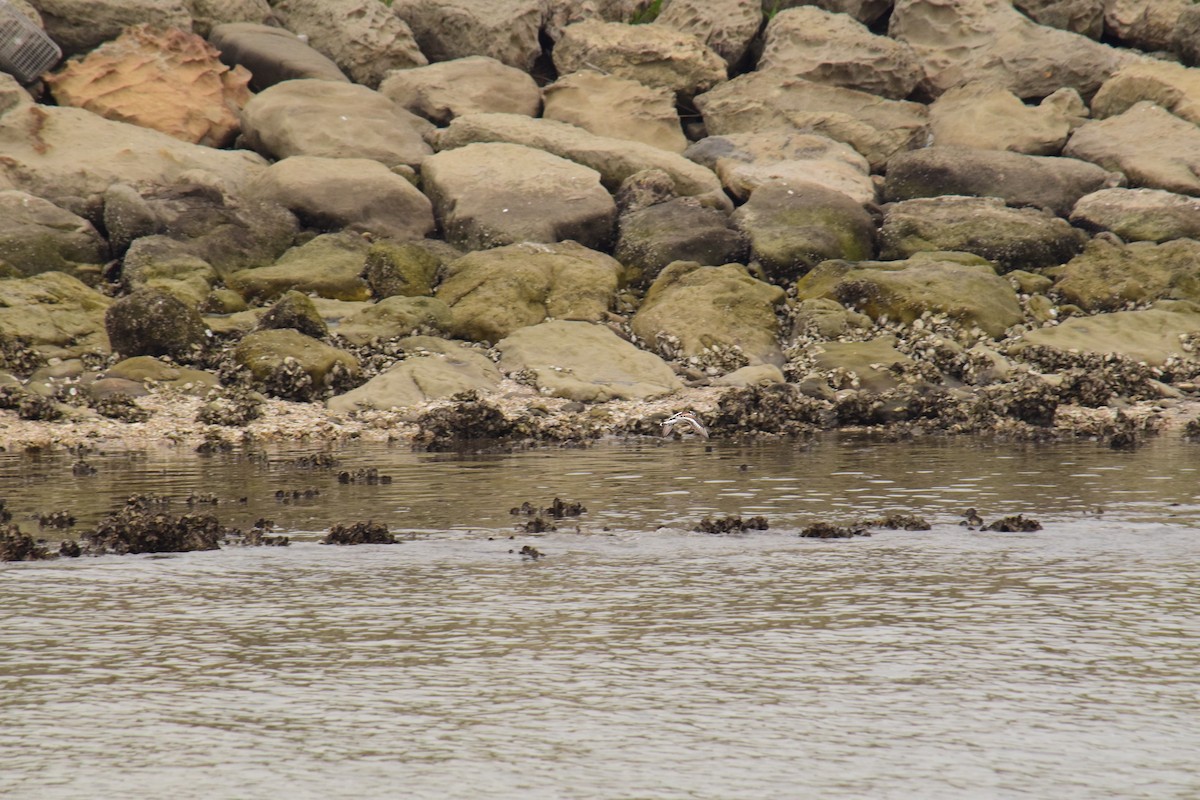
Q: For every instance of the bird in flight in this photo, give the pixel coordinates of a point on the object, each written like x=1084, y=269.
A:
x=685, y=420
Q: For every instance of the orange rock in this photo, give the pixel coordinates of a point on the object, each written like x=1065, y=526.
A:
x=169, y=80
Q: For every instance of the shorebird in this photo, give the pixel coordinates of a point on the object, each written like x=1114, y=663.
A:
x=685, y=420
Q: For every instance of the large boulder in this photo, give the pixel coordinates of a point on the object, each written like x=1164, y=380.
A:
x=1145, y=25
x=492, y=293
x=160, y=262
x=80, y=25
x=151, y=322
x=1151, y=335
x=363, y=37
x=37, y=236
x=472, y=85
x=335, y=120
x=1020, y=180
x=616, y=107
x=329, y=266
x=876, y=127
x=491, y=194
x=988, y=117
x=171, y=81
x=726, y=26
x=272, y=55
x=691, y=311
x=957, y=41
x=793, y=227
x=968, y=292
x=1152, y=146
x=506, y=30
x=614, y=159
x=308, y=364
x=1171, y=86
x=1109, y=275
x=585, y=362
x=395, y=316
x=357, y=194
x=745, y=161
x=71, y=156
x=681, y=229
x=1011, y=238
x=821, y=46
x=55, y=314
x=651, y=54
x=1149, y=215
x=434, y=369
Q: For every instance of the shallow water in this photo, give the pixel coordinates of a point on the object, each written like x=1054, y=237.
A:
x=637, y=659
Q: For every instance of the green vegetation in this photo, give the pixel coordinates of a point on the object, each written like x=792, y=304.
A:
x=647, y=14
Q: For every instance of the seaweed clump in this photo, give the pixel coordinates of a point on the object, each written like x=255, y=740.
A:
x=18, y=546
x=468, y=418
x=141, y=527
x=827, y=530
x=1015, y=524
x=779, y=408
x=899, y=521
x=368, y=532
x=731, y=524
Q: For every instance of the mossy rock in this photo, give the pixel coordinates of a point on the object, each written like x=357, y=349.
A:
x=869, y=361
x=1108, y=274
x=395, y=316
x=435, y=369
x=152, y=322
x=55, y=314
x=1151, y=335
x=266, y=353
x=160, y=262
x=329, y=265
x=407, y=269
x=295, y=310
x=678, y=230
x=145, y=370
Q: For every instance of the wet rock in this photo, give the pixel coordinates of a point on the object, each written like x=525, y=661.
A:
x=233, y=407
x=170, y=80
x=876, y=127
x=825, y=47
x=731, y=524
x=294, y=366
x=368, y=532
x=899, y=521
x=558, y=509
x=294, y=310
x=492, y=194
x=584, y=362
x=329, y=265
x=493, y=293
x=620, y=108
x=794, y=227
x=988, y=117
x=407, y=269
x=271, y=55
x=368, y=476
x=780, y=408
x=139, y=527
x=472, y=85
x=746, y=161
x=529, y=553
x=828, y=530
x=56, y=519
x=967, y=291
x=331, y=119
x=18, y=546
x=257, y=536
x=1011, y=238
x=965, y=40
x=875, y=365
x=650, y=54
x=365, y=39
x=614, y=159
x=435, y=369
x=1031, y=399
x=1149, y=215
x=1151, y=335
x=538, y=524
x=121, y=407
x=676, y=230
x=822, y=319
x=353, y=194
x=726, y=26
x=37, y=236
x=465, y=421
x=1014, y=524
x=1020, y=180
x=395, y=316
x=1108, y=275
x=30, y=406
x=751, y=376
x=146, y=371
x=80, y=25
x=506, y=30
x=151, y=322
x=691, y=311
x=17, y=358
x=1152, y=146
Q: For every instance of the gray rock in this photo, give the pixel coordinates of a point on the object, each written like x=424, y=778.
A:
x=756, y=375
x=1085, y=17
x=395, y=316
x=80, y=25
x=616, y=107
x=703, y=313
x=160, y=262
x=364, y=38
x=870, y=362
x=1150, y=215
x=1154, y=148
x=1171, y=86
x=1185, y=39
x=472, y=85
x=677, y=230
x=876, y=127
x=487, y=195
x=151, y=322
x=1108, y=275
x=644, y=189
x=793, y=227
x=1151, y=336
x=985, y=116
x=435, y=369
x=333, y=120
x=294, y=310
x=492, y=293
x=824, y=47
x=266, y=354
x=272, y=55
x=506, y=30
x=210, y=14
x=356, y=194
x=585, y=362
x=1011, y=238
x=726, y=26
x=144, y=371
x=37, y=236
x=964, y=288
x=58, y=315
x=1020, y=180
x=1145, y=25
x=329, y=266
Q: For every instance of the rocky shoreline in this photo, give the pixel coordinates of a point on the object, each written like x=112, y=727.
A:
x=464, y=224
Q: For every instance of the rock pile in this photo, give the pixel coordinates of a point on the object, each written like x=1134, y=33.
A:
x=515, y=219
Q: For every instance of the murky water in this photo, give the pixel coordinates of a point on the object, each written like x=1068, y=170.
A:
x=637, y=659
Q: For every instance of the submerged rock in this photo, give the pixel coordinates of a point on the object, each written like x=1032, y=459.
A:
x=731, y=524
x=368, y=532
